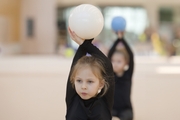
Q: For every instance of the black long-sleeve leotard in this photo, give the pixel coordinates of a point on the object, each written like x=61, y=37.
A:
x=123, y=84
x=94, y=108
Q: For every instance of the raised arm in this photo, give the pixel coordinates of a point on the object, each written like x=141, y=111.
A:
x=70, y=91
x=94, y=51
x=113, y=49
x=131, y=57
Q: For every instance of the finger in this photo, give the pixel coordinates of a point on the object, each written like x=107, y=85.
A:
x=71, y=33
x=77, y=36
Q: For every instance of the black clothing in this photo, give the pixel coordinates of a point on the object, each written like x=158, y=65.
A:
x=98, y=108
x=122, y=94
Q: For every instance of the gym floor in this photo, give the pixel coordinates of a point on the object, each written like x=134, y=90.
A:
x=33, y=88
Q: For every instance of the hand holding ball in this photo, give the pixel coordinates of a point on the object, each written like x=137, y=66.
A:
x=86, y=21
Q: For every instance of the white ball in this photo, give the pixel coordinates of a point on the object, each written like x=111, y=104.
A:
x=86, y=21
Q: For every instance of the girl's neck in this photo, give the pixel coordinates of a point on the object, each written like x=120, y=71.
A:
x=120, y=74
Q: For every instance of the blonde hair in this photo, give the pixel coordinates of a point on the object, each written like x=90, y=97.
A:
x=97, y=68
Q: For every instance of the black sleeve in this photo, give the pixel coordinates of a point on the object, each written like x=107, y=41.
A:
x=70, y=91
x=113, y=49
x=131, y=58
x=93, y=50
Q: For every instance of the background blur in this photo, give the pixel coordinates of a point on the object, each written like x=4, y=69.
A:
x=36, y=53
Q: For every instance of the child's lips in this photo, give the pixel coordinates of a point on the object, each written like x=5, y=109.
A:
x=83, y=93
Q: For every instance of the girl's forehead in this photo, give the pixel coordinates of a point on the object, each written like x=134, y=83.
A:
x=83, y=67
x=93, y=69
x=119, y=54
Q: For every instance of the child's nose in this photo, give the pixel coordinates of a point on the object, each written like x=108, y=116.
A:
x=84, y=86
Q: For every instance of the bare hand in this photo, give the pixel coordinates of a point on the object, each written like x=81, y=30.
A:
x=120, y=34
x=76, y=38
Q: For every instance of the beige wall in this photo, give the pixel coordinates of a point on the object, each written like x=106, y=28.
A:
x=118, y=2
x=10, y=12
x=152, y=12
x=44, y=15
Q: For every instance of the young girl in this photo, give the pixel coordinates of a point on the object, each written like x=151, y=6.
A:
x=123, y=64
x=90, y=86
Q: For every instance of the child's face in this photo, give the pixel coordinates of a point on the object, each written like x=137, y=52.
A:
x=118, y=62
x=86, y=83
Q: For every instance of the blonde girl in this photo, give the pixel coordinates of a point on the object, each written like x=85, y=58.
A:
x=90, y=86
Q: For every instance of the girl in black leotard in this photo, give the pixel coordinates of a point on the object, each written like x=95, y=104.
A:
x=121, y=57
x=90, y=85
